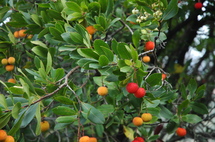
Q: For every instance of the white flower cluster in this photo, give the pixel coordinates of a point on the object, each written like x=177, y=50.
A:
x=135, y=11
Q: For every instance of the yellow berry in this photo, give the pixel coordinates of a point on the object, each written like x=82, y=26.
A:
x=9, y=139
x=3, y=135
x=4, y=61
x=146, y=59
x=11, y=80
x=84, y=139
x=146, y=117
x=11, y=60
x=44, y=126
x=9, y=67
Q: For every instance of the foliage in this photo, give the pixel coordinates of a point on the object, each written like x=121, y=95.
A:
x=59, y=69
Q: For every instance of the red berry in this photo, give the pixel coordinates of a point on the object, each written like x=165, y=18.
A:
x=135, y=141
x=132, y=87
x=198, y=5
x=140, y=93
x=139, y=139
x=150, y=45
x=181, y=132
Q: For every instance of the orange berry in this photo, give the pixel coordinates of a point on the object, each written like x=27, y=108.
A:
x=181, y=132
x=4, y=61
x=137, y=121
x=44, y=126
x=9, y=67
x=16, y=34
x=91, y=30
x=3, y=135
x=22, y=33
x=146, y=117
x=146, y=59
x=163, y=76
x=9, y=139
x=84, y=139
x=11, y=80
x=102, y=91
x=11, y=60
x=93, y=139
x=150, y=45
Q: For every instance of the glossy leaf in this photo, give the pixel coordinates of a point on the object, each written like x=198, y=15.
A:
x=4, y=119
x=16, y=109
x=103, y=60
x=171, y=10
x=93, y=114
x=154, y=79
x=66, y=119
x=73, y=6
x=136, y=38
x=3, y=102
x=199, y=108
x=191, y=118
x=106, y=110
x=63, y=110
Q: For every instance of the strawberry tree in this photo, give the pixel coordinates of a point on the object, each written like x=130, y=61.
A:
x=60, y=66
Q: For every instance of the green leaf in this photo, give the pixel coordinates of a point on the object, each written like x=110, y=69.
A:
x=4, y=119
x=171, y=10
x=54, y=14
x=153, y=138
x=73, y=6
x=84, y=62
x=134, y=54
x=166, y=113
x=199, y=108
x=38, y=118
x=154, y=79
x=63, y=110
x=93, y=114
x=40, y=51
x=103, y=60
x=98, y=43
x=88, y=53
x=57, y=74
x=136, y=38
x=123, y=51
x=16, y=109
x=3, y=102
x=63, y=100
x=3, y=11
x=106, y=110
x=191, y=118
x=76, y=37
x=183, y=105
x=103, y=50
x=36, y=19
x=45, y=17
x=16, y=90
x=49, y=63
x=171, y=126
x=183, y=91
x=56, y=33
x=66, y=119
x=29, y=115
x=110, y=7
x=99, y=130
x=39, y=43
x=192, y=86
x=25, y=87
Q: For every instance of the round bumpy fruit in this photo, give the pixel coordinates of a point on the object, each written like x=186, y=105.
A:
x=146, y=59
x=44, y=126
x=150, y=45
x=3, y=135
x=181, y=132
x=137, y=121
x=140, y=93
x=9, y=67
x=16, y=34
x=139, y=139
x=84, y=139
x=146, y=117
x=102, y=90
x=198, y=5
x=132, y=87
x=93, y=139
x=91, y=30
x=9, y=139
x=22, y=33
x=30, y=36
x=4, y=61
x=11, y=80
x=11, y=60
